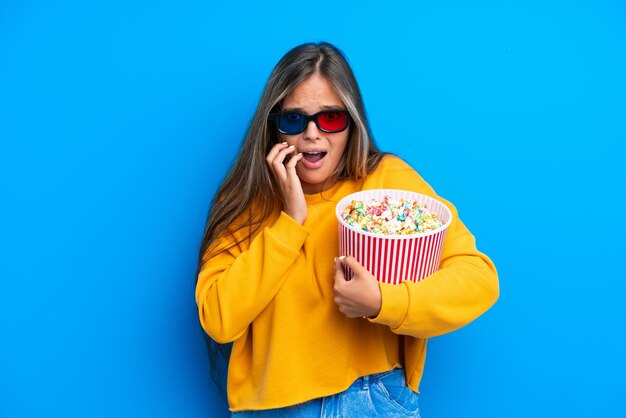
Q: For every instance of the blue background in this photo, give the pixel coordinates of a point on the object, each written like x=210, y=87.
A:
x=118, y=121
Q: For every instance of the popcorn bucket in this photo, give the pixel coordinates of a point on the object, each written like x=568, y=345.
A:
x=393, y=258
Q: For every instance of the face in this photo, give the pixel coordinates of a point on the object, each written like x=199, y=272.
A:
x=321, y=151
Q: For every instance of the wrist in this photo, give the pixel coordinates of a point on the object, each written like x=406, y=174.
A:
x=298, y=217
x=377, y=301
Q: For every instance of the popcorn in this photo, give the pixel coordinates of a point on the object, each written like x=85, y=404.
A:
x=393, y=233
x=391, y=217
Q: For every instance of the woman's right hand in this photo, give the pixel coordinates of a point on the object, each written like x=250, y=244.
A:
x=288, y=180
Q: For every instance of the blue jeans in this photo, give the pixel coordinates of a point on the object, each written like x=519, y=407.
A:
x=377, y=395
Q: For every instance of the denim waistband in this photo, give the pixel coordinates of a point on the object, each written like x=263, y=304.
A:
x=364, y=381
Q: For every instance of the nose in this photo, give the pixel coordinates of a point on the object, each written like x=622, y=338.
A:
x=312, y=132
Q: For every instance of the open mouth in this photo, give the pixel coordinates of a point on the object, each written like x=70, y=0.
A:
x=313, y=157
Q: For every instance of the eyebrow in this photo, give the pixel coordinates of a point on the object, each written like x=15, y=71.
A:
x=325, y=107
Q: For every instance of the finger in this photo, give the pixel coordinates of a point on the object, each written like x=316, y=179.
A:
x=281, y=155
x=352, y=262
x=338, y=270
x=342, y=304
x=277, y=165
x=275, y=149
x=291, y=165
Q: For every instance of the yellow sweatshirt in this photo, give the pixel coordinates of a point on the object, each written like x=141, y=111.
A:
x=274, y=299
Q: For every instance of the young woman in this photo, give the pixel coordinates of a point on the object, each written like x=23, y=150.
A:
x=307, y=342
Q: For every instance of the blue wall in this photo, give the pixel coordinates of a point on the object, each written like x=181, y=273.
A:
x=118, y=121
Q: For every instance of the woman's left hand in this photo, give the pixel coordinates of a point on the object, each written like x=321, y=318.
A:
x=359, y=297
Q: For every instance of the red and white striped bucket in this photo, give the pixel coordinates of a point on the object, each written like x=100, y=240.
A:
x=394, y=258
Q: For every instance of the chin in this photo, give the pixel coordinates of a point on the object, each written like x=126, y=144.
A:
x=311, y=180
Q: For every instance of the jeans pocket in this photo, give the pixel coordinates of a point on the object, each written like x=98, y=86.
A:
x=395, y=389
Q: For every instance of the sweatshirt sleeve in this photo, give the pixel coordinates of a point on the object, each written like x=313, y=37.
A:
x=234, y=286
x=463, y=288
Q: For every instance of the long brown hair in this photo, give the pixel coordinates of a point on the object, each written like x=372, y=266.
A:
x=249, y=195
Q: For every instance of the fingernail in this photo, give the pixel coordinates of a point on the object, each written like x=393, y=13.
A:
x=299, y=154
x=342, y=257
x=284, y=143
x=291, y=146
x=335, y=259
